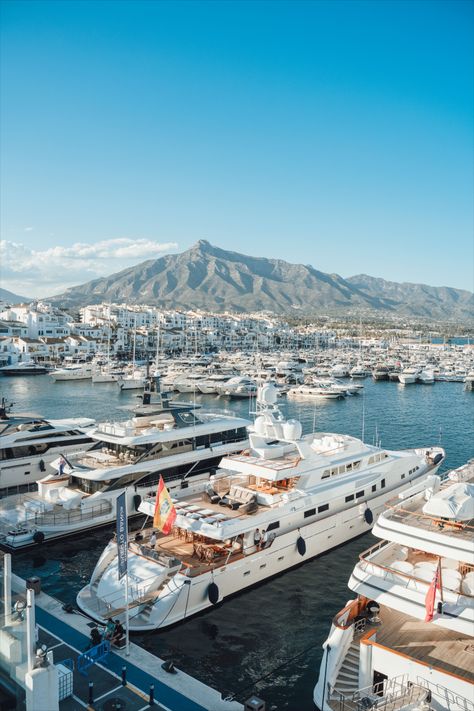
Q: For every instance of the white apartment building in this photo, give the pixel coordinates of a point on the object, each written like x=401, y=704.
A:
x=40, y=318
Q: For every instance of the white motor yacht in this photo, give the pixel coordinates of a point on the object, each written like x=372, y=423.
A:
x=286, y=499
x=105, y=375
x=426, y=376
x=408, y=375
x=340, y=370
x=72, y=372
x=319, y=391
x=29, y=443
x=24, y=368
x=238, y=387
x=359, y=371
x=345, y=388
x=380, y=372
x=134, y=380
x=173, y=441
x=188, y=383
x=406, y=640
x=211, y=384
x=469, y=381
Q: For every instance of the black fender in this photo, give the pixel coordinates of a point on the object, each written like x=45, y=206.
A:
x=213, y=593
x=301, y=545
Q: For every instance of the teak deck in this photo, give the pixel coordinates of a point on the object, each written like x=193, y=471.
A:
x=444, y=649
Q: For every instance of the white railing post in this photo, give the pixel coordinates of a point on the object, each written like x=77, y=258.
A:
x=7, y=586
x=30, y=628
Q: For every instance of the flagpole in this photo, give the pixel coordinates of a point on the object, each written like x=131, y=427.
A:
x=122, y=558
x=127, y=611
x=127, y=616
x=440, y=580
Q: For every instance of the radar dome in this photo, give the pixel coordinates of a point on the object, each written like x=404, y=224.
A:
x=292, y=429
x=259, y=425
x=267, y=394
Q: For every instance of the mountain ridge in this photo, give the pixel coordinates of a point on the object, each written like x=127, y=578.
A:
x=9, y=296
x=213, y=279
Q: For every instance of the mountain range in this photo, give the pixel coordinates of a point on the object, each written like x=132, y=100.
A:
x=12, y=298
x=213, y=279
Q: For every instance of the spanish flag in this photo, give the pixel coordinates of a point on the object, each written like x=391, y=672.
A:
x=431, y=594
x=165, y=512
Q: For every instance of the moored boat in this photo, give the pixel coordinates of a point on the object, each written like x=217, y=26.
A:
x=286, y=499
x=405, y=641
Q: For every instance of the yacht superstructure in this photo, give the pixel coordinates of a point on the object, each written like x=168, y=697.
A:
x=172, y=441
x=408, y=636
x=286, y=499
x=28, y=444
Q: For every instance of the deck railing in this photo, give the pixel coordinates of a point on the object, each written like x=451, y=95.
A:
x=139, y=593
x=366, y=560
x=73, y=516
x=58, y=518
x=429, y=523
x=445, y=697
x=388, y=695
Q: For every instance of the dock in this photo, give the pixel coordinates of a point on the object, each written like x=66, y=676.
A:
x=67, y=635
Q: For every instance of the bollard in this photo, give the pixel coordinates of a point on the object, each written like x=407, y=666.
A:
x=91, y=693
x=152, y=695
x=124, y=676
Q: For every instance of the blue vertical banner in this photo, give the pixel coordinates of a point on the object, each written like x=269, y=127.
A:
x=122, y=536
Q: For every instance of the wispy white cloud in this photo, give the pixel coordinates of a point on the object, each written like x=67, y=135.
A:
x=28, y=229
x=46, y=272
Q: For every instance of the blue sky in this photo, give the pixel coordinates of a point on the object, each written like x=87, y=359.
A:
x=337, y=134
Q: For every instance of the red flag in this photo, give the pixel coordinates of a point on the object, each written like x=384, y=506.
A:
x=165, y=512
x=431, y=595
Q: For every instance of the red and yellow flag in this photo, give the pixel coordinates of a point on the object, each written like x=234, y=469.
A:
x=165, y=512
x=431, y=594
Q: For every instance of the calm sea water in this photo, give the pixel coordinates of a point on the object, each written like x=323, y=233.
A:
x=266, y=640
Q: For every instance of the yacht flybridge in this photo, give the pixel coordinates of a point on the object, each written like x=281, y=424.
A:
x=284, y=500
x=168, y=439
x=408, y=636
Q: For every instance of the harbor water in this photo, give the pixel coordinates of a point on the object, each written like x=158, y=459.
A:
x=268, y=639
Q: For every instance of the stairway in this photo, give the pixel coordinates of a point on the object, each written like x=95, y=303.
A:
x=347, y=682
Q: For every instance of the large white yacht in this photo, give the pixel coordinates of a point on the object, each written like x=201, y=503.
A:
x=303, y=494
x=72, y=372
x=135, y=379
x=408, y=375
x=168, y=439
x=238, y=387
x=29, y=443
x=406, y=640
x=316, y=392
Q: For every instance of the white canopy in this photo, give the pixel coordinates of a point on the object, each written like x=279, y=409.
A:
x=456, y=502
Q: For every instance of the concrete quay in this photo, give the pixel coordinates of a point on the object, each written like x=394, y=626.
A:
x=68, y=634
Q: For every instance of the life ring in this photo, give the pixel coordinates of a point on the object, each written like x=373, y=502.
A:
x=369, y=516
x=301, y=545
x=38, y=537
x=213, y=593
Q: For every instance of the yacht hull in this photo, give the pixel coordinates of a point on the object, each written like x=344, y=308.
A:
x=184, y=595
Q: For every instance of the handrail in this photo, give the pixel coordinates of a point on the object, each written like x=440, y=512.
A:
x=445, y=694
x=353, y=609
x=460, y=525
x=363, y=558
x=394, y=693
x=73, y=516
